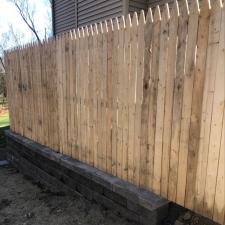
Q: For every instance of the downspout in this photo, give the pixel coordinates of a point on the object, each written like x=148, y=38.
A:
x=53, y=17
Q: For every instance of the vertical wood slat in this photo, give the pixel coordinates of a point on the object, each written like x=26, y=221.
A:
x=152, y=107
x=173, y=27
x=91, y=95
x=219, y=215
x=138, y=98
x=119, y=153
x=219, y=211
x=126, y=77
x=115, y=92
x=104, y=95
x=141, y=98
x=199, y=73
x=177, y=98
x=59, y=90
x=146, y=96
x=215, y=101
x=95, y=94
x=197, y=127
x=99, y=78
x=160, y=111
x=187, y=100
x=109, y=97
x=131, y=97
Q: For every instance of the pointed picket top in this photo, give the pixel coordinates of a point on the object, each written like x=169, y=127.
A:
x=205, y=6
x=71, y=34
x=166, y=12
x=183, y=8
x=66, y=36
x=63, y=35
x=135, y=20
x=117, y=26
x=86, y=31
x=59, y=37
x=128, y=21
x=157, y=14
x=82, y=32
x=194, y=7
x=74, y=34
x=122, y=22
x=149, y=16
x=105, y=27
x=78, y=33
x=100, y=28
x=91, y=31
x=110, y=25
x=175, y=10
x=216, y=5
x=95, y=29
x=142, y=18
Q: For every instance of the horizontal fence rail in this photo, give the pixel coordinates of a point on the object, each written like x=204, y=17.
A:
x=141, y=98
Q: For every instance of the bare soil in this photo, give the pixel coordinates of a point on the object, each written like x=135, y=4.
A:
x=25, y=203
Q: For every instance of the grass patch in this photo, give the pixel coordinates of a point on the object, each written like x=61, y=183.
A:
x=4, y=120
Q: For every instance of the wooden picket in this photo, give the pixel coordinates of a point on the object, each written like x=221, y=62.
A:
x=141, y=98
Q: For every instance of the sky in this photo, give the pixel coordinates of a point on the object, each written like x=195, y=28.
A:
x=10, y=16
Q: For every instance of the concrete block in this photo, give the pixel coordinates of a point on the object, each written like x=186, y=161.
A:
x=115, y=197
x=52, y=168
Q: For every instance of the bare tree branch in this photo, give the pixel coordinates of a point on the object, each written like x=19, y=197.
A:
x=27, y=15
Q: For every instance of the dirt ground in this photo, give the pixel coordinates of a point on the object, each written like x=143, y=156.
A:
x=25, y=203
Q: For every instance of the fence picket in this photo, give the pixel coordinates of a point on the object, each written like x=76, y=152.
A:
x=109, y=97
x=171, y=71
x=215, y=105
x=125, y=96
x=120, y=86
x=177, y=98
x=195, y=126
x=115, y=92
x=131, y=96
x=148, y=30
x=162, y=74
x=138, y=97
x=219, y=215
x=187, y=100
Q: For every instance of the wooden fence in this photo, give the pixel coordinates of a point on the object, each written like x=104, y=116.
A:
x=141, y=98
